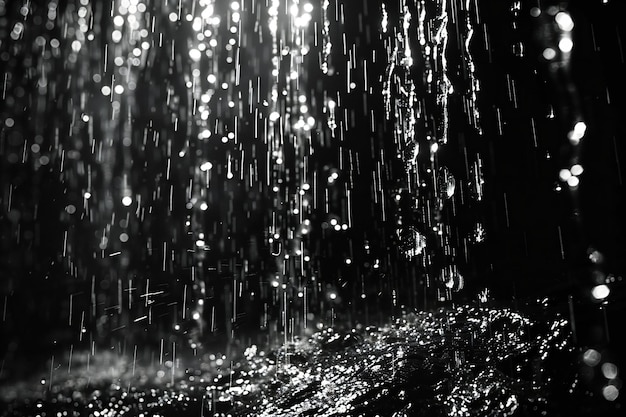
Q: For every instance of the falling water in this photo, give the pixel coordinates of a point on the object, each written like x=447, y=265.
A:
x=284, y=207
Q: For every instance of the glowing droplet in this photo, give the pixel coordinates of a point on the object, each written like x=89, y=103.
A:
x=549, y=53
x=610, y=392
x=565, y=22
x=577, y=169
x=573, y=181
x=195, y=54
x=609, y=370
x=116, y=36
x=591, y=357
x=600, y=292
x=566, y=45
x=127, y=201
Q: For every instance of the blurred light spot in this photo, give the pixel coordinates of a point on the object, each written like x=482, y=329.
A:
x=127, y=201
x=566, y=45
x=609, y=370
x=206, y=166
x=591, y=357
x=173, y=17
x=535, y=12
x=577, y=169
x=610, y=392
x=549, y=53
x=124, y=237
x=195, y=54
x=596, y=257
x=565, y=22
x=577, y=133
x=600, y=292
x=565, y=174
x=204, y=206
x=573, y=181
x=116, y=36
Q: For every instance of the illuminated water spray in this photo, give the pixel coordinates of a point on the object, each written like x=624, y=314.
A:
x=289, y=174
x=97, y=153
x=190, y=188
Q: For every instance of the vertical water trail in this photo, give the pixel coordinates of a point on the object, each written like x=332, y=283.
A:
x=471, y=92
x=417, y=90
x=289, y=136
x=206, y=28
